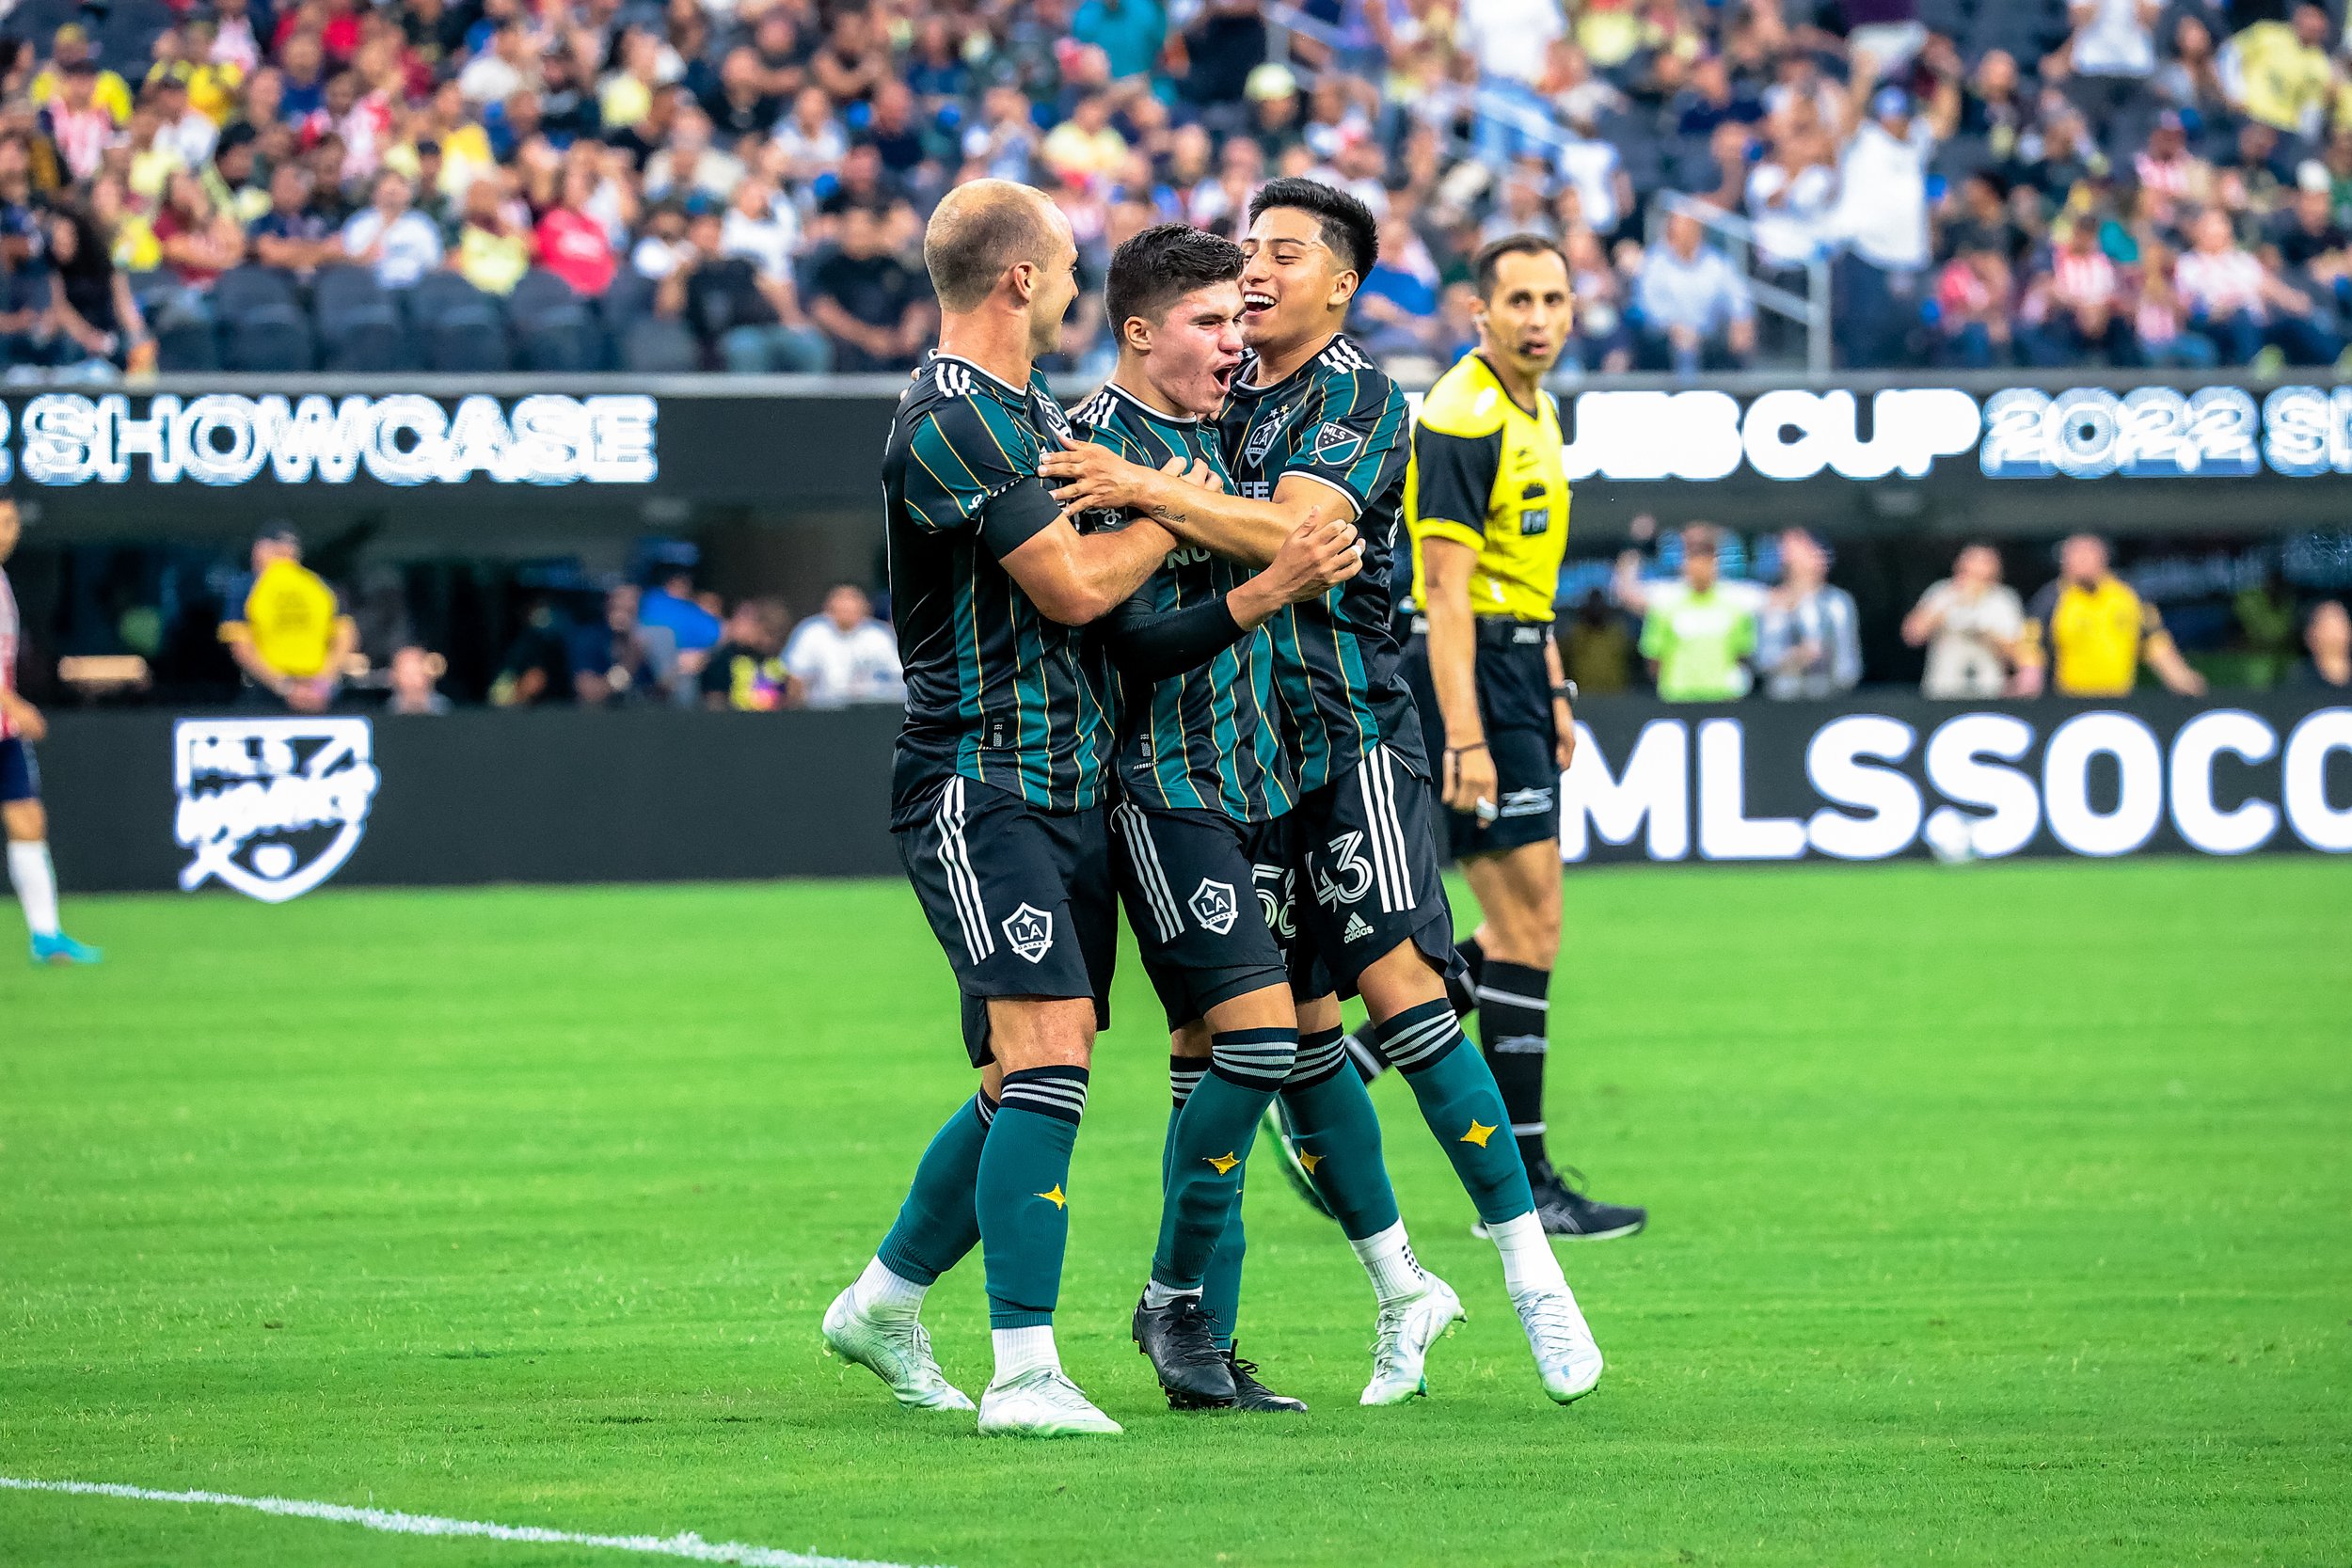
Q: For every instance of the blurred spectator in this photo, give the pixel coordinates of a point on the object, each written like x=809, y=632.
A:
x=1808, y=636
x=2328, y=635
x=286, y=629
x=292, y=236
x=610, y=660
x=414, y=674
x=1592, y=167
x=1881, y=214
x=673, y=605
x=493, y=249
x=1694, y=306
x=1597, y=651
x=844, y=655
x=751, y=324
x=875, y=309
x=1696, y=637
x=571, y=242
x=2075, y=308
x=2277, y=72
x=2088, y=632
x=537, y=667
x=93, y=318
x=2234, y=300
x=1395, y=310
x=1969, y=622
x=1972, y=302
x=2112, y=53
x=390, y=237
x=746, y=672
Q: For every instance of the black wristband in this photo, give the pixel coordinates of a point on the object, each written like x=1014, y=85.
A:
x=1564, y=692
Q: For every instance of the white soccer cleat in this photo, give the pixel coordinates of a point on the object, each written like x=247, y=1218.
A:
x=1400, y=1346
x=896, y=1348
x=1567, y=1358
x=1041, y=1402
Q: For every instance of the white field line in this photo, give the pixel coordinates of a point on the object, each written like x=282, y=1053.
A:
x=689, y=1545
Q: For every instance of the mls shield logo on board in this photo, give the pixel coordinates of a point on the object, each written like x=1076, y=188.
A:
x=271, y=807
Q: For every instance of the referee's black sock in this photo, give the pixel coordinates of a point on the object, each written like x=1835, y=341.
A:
x=1513, y=1009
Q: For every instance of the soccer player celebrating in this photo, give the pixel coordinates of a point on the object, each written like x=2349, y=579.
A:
x=1310, y=419
x=27, y=825
x=997, y=802
x=1205, y=782
x=1486, y=502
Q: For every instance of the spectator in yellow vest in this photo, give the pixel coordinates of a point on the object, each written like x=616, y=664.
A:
x=285, y=627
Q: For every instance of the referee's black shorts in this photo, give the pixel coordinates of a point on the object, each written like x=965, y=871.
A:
x=1515, y=707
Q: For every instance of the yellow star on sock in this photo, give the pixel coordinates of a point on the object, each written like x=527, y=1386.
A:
x=1221, y=1163
x=1478, y=1133
x=1057, y=1200
x=1309, y=1162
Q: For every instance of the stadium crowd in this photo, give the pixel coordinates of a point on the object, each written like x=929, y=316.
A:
x=739, y=185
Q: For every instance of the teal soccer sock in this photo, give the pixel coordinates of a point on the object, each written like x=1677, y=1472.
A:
x=938, y=1223
x=1337, y=1134
x=1208, y=1143
x=1021, y=1195
x=1220, y=1287
x=1461, y=1104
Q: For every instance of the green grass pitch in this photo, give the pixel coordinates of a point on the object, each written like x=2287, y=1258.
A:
x=2002, y=1215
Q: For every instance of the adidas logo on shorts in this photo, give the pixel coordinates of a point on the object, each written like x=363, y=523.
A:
x=1357, y=930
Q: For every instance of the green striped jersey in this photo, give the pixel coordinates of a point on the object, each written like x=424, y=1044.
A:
x=997, y=692
x=1203, y=741
x=1339, y=420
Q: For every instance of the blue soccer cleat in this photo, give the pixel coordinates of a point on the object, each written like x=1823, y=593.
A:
x=63, y=949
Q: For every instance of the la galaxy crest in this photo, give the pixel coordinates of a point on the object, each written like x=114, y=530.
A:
x=1261, y=440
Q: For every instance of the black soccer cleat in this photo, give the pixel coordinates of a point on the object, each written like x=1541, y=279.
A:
x=1249, y=1394
x=1179, y=1341
x=1568, y=1210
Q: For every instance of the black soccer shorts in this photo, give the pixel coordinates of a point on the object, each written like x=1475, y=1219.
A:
x=1515, y=708
x=19, y=774
x=1363, y=851
x=1201, y=909
x=1020, y=899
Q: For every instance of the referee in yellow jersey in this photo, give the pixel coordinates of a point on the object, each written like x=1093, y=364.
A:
x=1487, y=502
x=286, y=629
x=2087, y=633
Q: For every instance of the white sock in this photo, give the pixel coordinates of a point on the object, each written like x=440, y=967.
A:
x=891, y=1294
x=1388, y=1258
x=1528, y=1260
x=1024, y=1350
x=35, y=882
x=1156, y=1296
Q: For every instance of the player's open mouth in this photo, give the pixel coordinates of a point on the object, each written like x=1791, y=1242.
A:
x=1224, y=375
x=1256, y=304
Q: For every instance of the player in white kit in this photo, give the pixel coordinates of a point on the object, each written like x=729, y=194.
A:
x=20, y=724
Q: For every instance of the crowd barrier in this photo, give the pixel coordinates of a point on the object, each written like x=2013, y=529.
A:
x=273, y=806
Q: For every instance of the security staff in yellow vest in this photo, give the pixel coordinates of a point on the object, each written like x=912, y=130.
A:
x=2089, y=631
x=285, y=627
x=1487, y=502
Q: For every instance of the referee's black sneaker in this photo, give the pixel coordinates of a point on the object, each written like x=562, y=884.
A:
x=1567, y=1209
x=1180, y=1341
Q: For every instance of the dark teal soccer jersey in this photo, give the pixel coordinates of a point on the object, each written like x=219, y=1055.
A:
x=1339, y=420
x=996, y=692
x=1203, y=741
